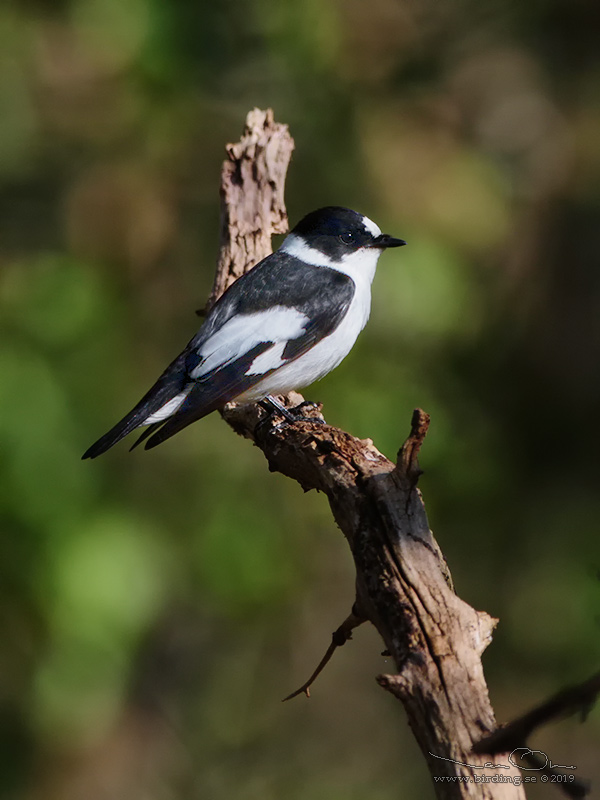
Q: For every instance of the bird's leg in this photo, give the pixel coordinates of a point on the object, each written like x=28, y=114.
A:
x=290, y=415
x=272, y=406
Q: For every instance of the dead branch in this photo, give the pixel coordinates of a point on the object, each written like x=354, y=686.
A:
x=402, y=581
x=574, y=700
x=252, y=204
x=513, y=736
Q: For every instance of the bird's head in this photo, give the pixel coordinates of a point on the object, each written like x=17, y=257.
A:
x=334, y=236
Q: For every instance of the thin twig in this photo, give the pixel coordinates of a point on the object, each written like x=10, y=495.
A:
x=338, y=638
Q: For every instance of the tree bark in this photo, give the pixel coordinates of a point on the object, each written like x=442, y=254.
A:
x=403, y=585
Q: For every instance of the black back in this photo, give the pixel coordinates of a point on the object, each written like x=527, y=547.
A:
x=322, y=294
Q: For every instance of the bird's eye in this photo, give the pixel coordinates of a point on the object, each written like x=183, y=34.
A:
x=347, y=237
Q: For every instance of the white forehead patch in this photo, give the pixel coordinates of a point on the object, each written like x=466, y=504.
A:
x=373, y=229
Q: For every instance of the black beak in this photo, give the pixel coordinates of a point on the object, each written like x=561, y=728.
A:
x=384, y=241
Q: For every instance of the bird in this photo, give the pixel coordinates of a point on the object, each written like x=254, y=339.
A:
x=281, y=326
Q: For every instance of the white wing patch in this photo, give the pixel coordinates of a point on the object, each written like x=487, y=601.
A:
x=270, y=359
x=241, y=333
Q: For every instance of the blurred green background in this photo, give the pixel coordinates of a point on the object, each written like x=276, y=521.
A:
x=155, y=607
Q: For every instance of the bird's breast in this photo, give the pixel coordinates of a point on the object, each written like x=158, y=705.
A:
x=320, y=359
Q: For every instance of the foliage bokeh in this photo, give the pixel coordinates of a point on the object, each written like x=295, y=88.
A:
x=156, y=606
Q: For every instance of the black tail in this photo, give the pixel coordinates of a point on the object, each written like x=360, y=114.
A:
x=121, y=429
x=195, y=406
x=147, y=432
x=169, y=385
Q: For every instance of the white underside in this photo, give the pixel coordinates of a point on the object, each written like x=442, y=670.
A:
x=330, y=351
x=319, y=360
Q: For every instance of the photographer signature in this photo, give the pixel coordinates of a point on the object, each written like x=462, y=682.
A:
x=518, y=752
